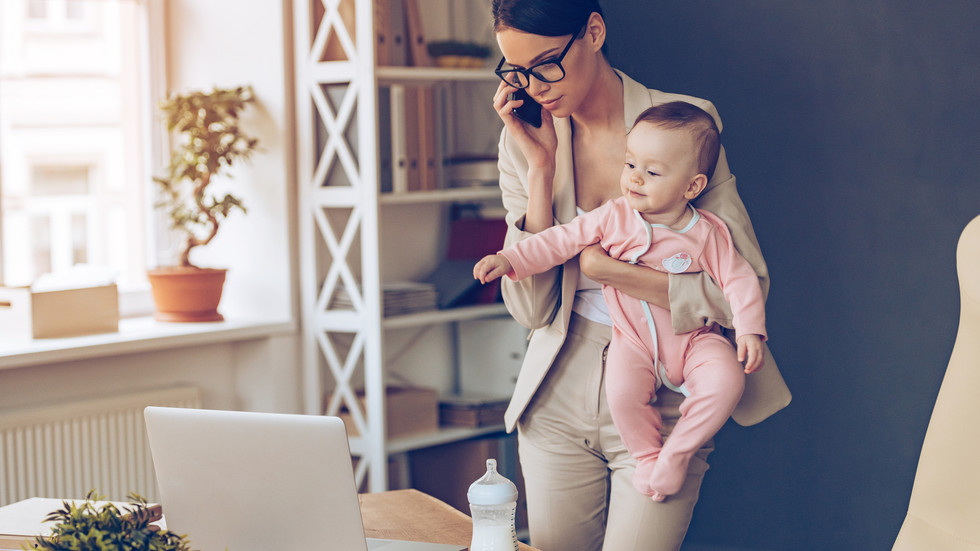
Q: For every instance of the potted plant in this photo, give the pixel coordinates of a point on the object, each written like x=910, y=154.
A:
x=92, y=526
x=208, y=141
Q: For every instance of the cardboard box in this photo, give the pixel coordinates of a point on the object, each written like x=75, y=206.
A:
x=408, y=411
x=53, y=314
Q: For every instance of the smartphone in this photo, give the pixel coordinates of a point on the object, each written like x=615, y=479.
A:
x=529, y=111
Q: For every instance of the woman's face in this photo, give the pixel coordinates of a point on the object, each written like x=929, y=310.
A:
x=522, y=50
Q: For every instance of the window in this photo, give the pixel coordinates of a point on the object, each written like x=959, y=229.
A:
x=77, y=95
x=59, y=15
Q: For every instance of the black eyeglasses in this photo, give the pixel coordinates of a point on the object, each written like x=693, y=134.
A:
x=549, y=70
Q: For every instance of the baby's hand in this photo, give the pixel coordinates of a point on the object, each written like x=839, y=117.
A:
x=491, y=267
x=750, y=352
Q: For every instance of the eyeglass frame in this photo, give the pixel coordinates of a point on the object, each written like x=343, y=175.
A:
x=529, y=72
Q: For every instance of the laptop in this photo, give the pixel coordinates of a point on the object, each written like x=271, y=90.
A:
x=258, y=481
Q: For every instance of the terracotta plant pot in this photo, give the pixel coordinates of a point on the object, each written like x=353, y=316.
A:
x=187, y=294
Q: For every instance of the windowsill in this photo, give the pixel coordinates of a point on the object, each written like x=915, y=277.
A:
x=136, y=335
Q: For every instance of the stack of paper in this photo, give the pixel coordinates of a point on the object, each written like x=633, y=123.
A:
x=403, y=297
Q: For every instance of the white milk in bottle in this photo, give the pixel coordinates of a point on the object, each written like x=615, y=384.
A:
x=493, y=505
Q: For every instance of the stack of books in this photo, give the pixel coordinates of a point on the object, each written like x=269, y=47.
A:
x=403, y=297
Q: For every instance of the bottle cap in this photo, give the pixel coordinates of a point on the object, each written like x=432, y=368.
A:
x=492, y=488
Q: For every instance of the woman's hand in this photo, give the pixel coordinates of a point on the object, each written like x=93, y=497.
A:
x=539, y=145
x=639, y=282
x=593, y=261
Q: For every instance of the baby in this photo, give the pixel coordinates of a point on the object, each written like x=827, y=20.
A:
x=671, y=151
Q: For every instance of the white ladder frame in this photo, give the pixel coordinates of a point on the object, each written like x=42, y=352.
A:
x=361, y=197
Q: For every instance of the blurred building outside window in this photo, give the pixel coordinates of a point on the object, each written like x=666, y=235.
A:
x=78, y=90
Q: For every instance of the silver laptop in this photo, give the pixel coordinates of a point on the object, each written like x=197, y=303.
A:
x=260, y=481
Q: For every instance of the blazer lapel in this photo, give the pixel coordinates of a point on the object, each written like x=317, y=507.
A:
x=636, y=98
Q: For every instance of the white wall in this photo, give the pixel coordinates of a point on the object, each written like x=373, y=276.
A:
x=224, y=43
x=250, y=375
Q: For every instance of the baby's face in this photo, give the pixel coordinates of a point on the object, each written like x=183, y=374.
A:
x=659, y=170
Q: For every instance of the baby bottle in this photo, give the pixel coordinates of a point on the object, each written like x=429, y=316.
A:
x=493, y=505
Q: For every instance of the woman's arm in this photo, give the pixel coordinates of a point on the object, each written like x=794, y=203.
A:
x=639, y=282
x=526, y=191
x=701, y=302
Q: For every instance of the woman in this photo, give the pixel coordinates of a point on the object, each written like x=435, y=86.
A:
x=577, y=471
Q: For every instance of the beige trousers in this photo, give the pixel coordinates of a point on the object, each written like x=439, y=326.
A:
x=577, y=472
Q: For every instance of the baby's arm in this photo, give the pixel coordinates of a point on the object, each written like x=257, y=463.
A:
x=491, y=267
x=696, y=299
x=553, y=246
x=742, y=291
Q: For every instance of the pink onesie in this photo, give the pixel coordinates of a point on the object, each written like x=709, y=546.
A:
x=701, y=364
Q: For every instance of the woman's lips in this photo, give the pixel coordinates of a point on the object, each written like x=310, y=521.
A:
x=549, y=104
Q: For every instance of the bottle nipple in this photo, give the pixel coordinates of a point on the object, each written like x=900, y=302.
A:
x=492, y=488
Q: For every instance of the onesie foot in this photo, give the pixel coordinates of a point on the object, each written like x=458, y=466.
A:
x=668, y=475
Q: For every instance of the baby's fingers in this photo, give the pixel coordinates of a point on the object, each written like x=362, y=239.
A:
x=481, y=269
x=754, y=360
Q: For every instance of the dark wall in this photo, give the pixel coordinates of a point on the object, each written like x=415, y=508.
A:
x=852, y=126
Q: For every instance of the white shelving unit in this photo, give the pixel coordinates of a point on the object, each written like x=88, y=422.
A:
x=340, y=201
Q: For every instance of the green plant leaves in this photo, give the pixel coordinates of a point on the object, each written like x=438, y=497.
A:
x=209, y=140
x=89, y=526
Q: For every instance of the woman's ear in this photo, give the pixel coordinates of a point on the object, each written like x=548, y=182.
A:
x=696, y=186
x=595, y=31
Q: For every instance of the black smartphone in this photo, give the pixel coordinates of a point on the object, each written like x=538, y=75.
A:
x=529, y=111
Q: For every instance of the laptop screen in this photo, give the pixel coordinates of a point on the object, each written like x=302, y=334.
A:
x=246, y=480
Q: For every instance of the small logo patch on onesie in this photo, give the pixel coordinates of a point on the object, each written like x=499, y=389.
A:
x=677, y=263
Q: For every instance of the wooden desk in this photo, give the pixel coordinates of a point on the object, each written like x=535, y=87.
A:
x=400, y=514
x=413, y=515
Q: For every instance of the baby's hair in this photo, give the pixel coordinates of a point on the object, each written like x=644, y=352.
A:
x=680, y=114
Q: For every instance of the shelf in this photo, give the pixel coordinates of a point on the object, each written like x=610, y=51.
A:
x=396, y=75
x=433, y=317
x=344, y=202
x=476, y=193
x=444, y=435
x=136, y=335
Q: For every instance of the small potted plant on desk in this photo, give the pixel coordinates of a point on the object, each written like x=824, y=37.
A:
x=96, y=525
x=209, y=141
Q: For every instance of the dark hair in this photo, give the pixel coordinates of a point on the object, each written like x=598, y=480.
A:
x=543, y=17
x=680, y=114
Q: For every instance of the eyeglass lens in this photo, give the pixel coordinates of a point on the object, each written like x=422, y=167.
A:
x=549, y=72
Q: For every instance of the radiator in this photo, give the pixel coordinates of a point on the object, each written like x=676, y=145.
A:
x=67, y=449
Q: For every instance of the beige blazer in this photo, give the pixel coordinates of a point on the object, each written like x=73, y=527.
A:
x=543, y=303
